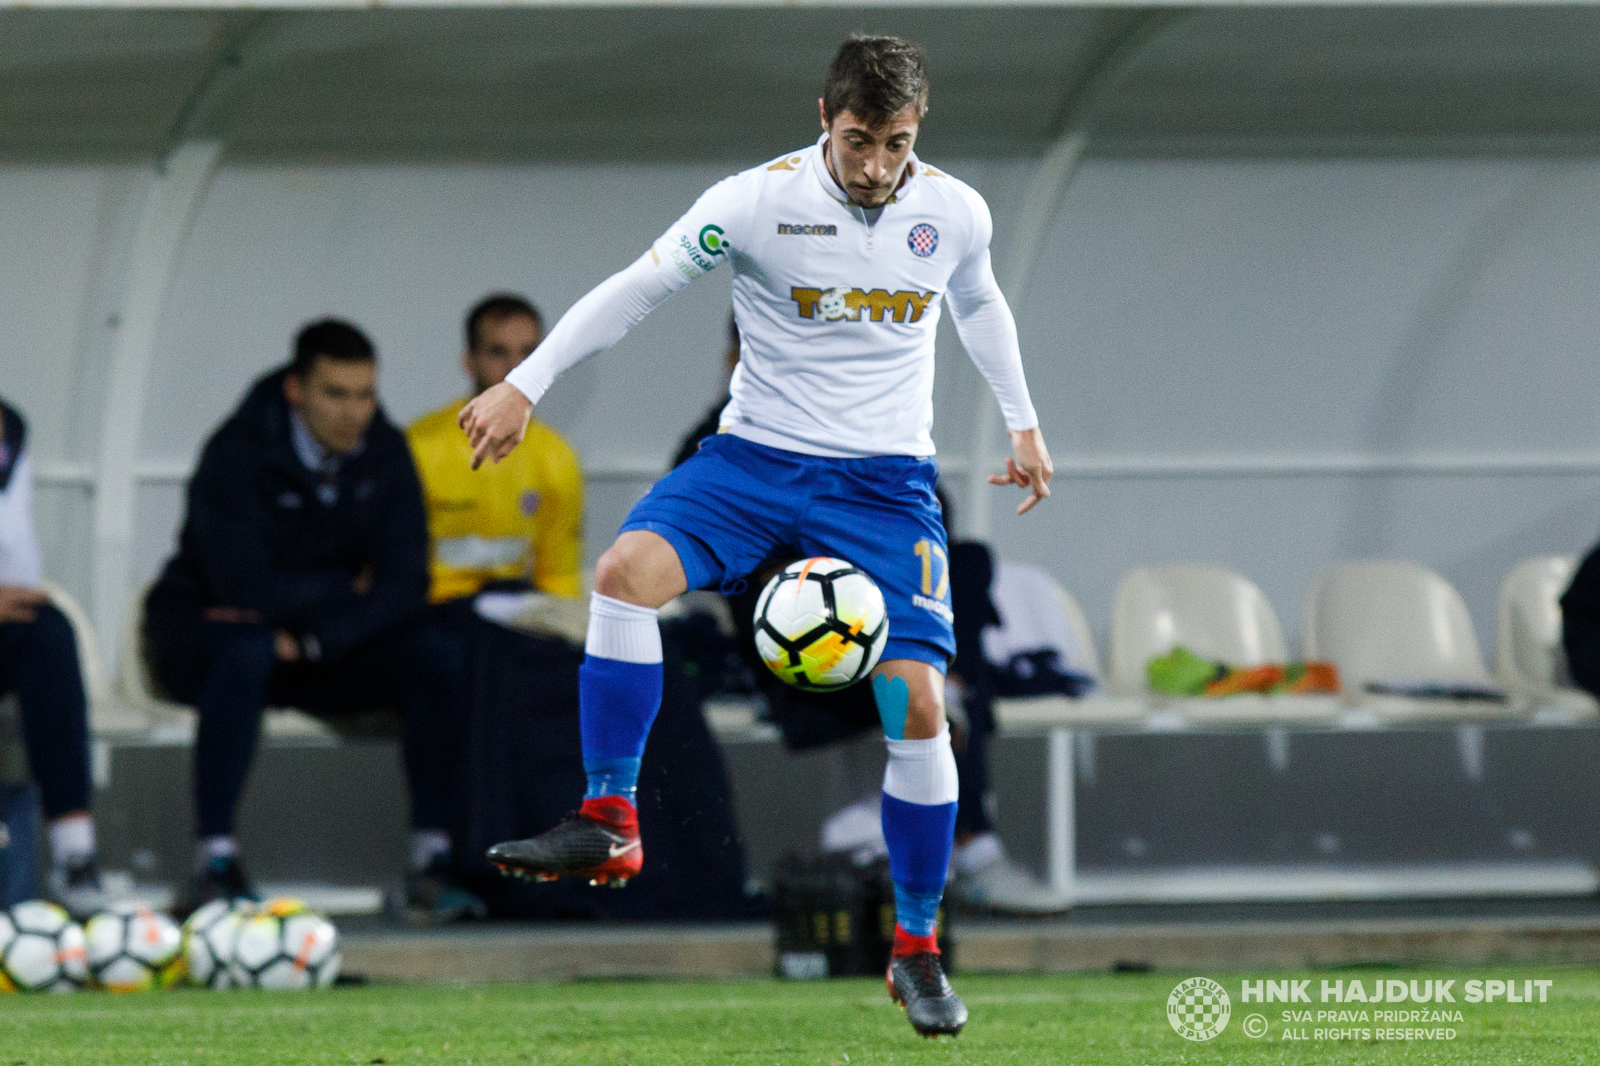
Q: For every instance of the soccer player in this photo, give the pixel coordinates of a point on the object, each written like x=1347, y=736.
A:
x=843, y=254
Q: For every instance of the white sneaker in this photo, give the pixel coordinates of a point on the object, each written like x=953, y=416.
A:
x=85, y=891
x=1004, y=887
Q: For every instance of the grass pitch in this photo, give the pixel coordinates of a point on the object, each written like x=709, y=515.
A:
x=1077, y=1019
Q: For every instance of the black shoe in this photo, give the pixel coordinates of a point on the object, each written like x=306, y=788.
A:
x=918, y=984
x=435, y=897
x=222, y=877
x=599, y=842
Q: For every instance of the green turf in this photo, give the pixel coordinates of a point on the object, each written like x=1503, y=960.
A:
x=1015, y=1019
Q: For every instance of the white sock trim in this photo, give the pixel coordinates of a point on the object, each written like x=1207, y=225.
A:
x=426, y=844
x=622, y=631
x=982, y=850
x=71, y=839
x=218, y=847
x=922, y=771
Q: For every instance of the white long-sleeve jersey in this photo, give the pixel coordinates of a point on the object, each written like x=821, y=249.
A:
x=836, y=314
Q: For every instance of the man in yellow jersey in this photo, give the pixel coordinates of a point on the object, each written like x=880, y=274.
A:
x=517, y=521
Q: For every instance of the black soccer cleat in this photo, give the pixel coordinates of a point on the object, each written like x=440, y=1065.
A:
x=599, y=842
x=222, y=877
x=918, y=984
x=435, y=897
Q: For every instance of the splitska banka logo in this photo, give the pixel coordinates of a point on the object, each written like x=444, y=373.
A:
x=846, y=305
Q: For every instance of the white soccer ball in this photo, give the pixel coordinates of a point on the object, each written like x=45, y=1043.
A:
x=133, y=949
x=821, y=624
x=41, y=949
x=208, y=938
x=284, y=944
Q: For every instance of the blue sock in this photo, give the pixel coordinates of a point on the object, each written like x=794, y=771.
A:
x=612, y=777
x=619, y=693
x=919, y=837
x=919, y=810
x=617, y=703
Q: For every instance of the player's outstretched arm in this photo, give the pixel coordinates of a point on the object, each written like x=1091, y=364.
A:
x=1029, y=466
x=495, y=422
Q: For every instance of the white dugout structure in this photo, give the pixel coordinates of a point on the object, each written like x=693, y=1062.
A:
x=1296, y=284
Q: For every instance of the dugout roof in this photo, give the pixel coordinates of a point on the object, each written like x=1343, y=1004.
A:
x=599, y=83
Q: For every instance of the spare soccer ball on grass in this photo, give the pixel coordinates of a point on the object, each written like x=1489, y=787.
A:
x=41, y=949
x=285, y=944
x=821, y=624
x=208, y=937
x=133, y=949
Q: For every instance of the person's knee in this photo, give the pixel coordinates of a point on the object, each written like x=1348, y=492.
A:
x=247, y=653
x=640, y=568
x=924, y=710
x=50, y=635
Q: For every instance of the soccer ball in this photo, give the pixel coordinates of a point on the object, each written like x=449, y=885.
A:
x=208, y=937
x=41, y=949
x=133, y=949
x=821, y=624
x=285, y=945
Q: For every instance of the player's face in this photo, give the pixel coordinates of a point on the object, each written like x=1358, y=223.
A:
x=868, y=161
x=502, y=343
x=336, y=400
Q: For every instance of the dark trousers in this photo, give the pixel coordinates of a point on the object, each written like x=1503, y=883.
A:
x=972, y=767
x=1580, y=635
x=230, y=673
x=39, y=662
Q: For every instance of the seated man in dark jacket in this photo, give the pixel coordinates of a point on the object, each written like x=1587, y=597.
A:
x=301, y=580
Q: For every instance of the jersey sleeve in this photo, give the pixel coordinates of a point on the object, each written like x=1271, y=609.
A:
x=694, y=245
x=987, y=329
x=705, y=236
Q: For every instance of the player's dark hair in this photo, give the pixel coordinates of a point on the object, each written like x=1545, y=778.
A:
x=500, y=305
x=875, y=78
x=333, y=339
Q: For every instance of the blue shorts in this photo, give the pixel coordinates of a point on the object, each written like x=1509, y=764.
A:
x=737, y=504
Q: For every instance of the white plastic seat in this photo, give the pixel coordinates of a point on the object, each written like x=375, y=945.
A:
x=1528, y=655
x=1391, y=621
x=1529, y=659
x=1215, y=613
x=90, y=663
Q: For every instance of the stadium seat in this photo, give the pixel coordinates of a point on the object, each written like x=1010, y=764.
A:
x=1080, y=630
x=1529, y=660
x=1034, y=713
x=90, y=662
x=1395, y=622
x=1215, y=613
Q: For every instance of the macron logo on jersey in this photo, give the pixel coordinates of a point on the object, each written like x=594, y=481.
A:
x=845, y=305
x=807, y=230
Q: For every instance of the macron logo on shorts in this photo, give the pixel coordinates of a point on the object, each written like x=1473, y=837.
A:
x=938, y=607
x=797, y=229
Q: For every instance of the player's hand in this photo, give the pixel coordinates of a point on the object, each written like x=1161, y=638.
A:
x=1029, y=467
x=495, y=421
x=18, y=604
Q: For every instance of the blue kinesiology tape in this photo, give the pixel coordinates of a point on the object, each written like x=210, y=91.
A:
x=894, y=700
